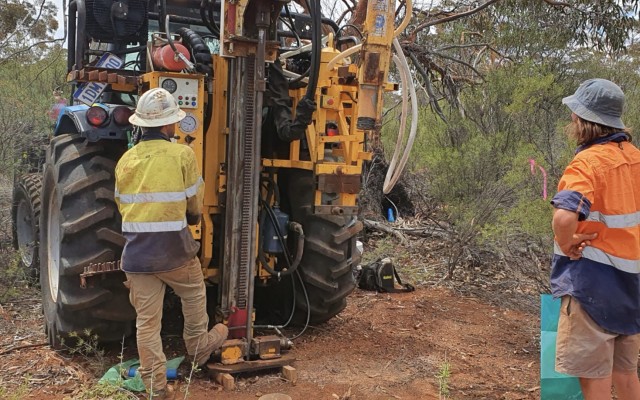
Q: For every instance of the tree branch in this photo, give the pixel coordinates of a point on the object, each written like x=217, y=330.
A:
x=28, y=48
x=427, y=83
x=462, y=46
x=557, y=3
x=466, y=64
x=26, y=346
x=379, y=226
x=412, y=35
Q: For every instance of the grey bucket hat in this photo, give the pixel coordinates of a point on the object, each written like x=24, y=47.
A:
x=598, y=100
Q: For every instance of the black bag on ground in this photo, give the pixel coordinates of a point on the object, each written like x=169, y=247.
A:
x=381, y=276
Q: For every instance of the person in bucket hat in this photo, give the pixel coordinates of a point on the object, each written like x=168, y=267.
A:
x=596, y=262
x=159, y=192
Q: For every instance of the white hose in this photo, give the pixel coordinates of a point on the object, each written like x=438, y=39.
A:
x=331, y=65
x=393, y=174
x=403, y=115
x=407, y=17
x=302, y=49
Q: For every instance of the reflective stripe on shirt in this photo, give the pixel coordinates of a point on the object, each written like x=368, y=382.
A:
x=193, y=189
x=615, y=221
x=159, y=197
x=594, y=254
x=163, y=226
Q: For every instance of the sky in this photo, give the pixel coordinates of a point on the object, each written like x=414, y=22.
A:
x=60, y=31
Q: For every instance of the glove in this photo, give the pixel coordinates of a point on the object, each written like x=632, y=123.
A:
x=304, y=115
x=304, y=111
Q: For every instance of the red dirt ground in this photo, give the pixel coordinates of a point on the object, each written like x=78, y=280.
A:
x=383, y=346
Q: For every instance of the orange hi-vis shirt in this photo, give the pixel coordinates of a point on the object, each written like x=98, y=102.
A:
x=602, y=185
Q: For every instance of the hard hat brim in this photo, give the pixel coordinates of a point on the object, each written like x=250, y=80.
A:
x=150, y=123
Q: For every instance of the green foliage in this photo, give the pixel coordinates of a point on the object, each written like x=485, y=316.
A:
x=383, y=248
x=26, y=29
x=444, y=373
x=16, y=393
x=478, y=164
x=13, y=278
x=105, y=390
x=86, y=345
x=27, y=96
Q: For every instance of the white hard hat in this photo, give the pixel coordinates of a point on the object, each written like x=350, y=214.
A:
x=157, y=107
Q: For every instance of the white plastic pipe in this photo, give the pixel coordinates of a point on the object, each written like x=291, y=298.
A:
x=403, y=114
x=393, y=175
x=407, y=17
x=351, y=50
x=302, y=49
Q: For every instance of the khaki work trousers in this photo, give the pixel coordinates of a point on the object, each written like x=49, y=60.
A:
x=147, y=295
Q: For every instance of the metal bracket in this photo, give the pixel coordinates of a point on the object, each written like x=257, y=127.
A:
x=98, y=269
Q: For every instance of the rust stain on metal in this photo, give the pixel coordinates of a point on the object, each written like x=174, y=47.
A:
x=339, y=183
x=371, y=68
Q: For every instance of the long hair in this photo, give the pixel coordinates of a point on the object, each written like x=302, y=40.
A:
x=586, y=131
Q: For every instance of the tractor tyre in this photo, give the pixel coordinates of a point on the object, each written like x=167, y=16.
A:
x=329, y=256
x=80, y=225
x=25, y=215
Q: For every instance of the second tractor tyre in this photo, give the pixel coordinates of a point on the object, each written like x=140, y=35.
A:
x=25, y=215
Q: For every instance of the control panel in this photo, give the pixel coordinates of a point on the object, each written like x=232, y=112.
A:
x=184, y=90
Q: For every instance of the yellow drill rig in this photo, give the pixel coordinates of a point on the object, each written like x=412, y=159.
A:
x=278, y=117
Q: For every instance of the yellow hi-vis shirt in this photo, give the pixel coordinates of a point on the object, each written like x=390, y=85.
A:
x=158, y=187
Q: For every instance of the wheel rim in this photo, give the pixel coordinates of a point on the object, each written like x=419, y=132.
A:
x=24, y=233
x=53, y=246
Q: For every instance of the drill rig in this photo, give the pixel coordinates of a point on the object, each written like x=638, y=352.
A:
x=278, y=118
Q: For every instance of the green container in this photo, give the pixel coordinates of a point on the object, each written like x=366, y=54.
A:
x=553, y=385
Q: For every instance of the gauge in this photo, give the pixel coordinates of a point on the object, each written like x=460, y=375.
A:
x=169, y=85
x=188, y=123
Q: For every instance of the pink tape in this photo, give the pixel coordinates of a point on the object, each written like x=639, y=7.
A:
x=532, y=165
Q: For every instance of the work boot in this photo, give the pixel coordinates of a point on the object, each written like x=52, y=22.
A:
x=217, y=335
x=168, y=393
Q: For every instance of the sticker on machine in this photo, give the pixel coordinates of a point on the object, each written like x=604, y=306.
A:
x=88, y=93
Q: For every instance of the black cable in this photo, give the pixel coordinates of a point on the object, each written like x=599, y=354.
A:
x=293, y=311
x=212, y=19
x=272, y=189
x=293, y=30
x=350, y=26
x=301, y=77
x=306, y=297
x=166, y=31
x=205, y=18
x=316, y=40
x=293, y=24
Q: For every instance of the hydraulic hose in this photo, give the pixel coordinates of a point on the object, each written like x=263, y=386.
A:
x=212, y=18
x=199, y=50
x=308, y=304
x=293, y=311
x=205, y=18
x=177, y=53
x=306, y=298
x=351, y=50
x=407, y=17
x=393, y=175
x=404, y=79
x=316, y=39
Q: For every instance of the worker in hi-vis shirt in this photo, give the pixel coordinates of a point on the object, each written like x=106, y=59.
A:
x=596, y=265
x=159, y=192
